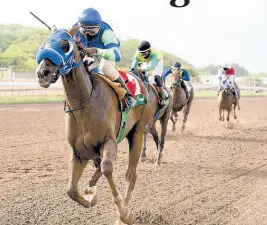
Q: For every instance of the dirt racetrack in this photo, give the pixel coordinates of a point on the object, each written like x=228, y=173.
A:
x=211, y=175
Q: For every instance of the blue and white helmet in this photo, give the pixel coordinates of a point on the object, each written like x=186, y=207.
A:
x=90, y=22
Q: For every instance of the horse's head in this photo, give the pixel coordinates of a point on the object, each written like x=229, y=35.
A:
x=226, y=86
x=58, y=56
x=176, y=83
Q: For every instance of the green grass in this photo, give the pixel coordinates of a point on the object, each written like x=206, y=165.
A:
x=30, y=99
x=56, y=98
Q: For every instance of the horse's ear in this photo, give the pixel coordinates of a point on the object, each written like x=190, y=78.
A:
x=73, y=30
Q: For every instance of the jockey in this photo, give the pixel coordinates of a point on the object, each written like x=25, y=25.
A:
x=184, y=74
x=152, y=66
x=227, y=72
x=95, y=37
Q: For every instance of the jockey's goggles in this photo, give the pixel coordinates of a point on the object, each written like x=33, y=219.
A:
x=89, y=30
x=173, y=69
x=145, y=53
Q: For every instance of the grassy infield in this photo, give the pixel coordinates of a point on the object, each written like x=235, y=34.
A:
x=53, y=99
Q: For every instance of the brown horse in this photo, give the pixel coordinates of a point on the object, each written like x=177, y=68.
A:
x=227, y=101
x=179, y=101
x=92, y=121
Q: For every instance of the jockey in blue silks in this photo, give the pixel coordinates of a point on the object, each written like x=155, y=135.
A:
x=95, y=37
x=184, y=74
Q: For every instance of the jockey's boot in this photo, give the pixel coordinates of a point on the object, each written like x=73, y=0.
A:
x=185, y=89
x=130, y=100
x=187, y=93
x=162, y=97
x=235, y=93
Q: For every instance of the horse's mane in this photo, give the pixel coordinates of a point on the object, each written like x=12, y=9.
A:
x=91, y=74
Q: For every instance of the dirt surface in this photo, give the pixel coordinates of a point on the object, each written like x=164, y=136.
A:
x=211, y=175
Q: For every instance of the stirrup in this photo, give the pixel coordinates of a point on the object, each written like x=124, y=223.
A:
x=162, y=102
x=130, y=101
x=187, y=95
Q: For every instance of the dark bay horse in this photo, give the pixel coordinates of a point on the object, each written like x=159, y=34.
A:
x=158, y=113
x=227, y=101
x=92, y=120
x=179, y=101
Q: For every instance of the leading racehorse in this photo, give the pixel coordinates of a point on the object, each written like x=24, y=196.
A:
x=93, y=120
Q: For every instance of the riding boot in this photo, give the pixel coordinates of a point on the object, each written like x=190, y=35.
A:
x=185, y=89
x=235, y=93
x=162, y=97
x=130, y=100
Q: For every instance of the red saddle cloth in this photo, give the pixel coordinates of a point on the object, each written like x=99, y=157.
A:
x=131, y=82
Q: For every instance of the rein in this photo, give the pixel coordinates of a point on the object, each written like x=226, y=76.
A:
x=77, y=108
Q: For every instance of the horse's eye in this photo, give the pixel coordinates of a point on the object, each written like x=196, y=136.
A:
x=64, y=45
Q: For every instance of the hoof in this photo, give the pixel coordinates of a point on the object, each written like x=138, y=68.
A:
x=91, y=195
x=127, y=218
x=173, y=128
x=118, y=222
x=143, y=157
x=157, y=162
x=235, y=117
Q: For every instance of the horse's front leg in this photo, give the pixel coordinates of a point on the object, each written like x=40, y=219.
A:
x=164, y=124
x=228, y=114
x=235, y=112
x=220, y=113
x=77, y=168
x=143, y=155
x=174, y=120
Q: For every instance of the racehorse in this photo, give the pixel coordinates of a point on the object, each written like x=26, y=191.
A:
x=158, y=113
x=226, y=100
x=179, y=100
x=94, y=116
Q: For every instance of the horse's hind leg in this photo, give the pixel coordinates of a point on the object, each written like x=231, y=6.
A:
x=77, y=168
x=92, y=190
x=109, y=155
x=234, y=112
x=185, y=112
x=238, y=104
x=135, y=143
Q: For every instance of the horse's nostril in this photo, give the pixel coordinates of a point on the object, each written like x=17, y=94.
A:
x=39, y=75
x=46, y=72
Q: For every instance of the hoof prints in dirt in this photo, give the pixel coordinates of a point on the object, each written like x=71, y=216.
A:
x=150, y=217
